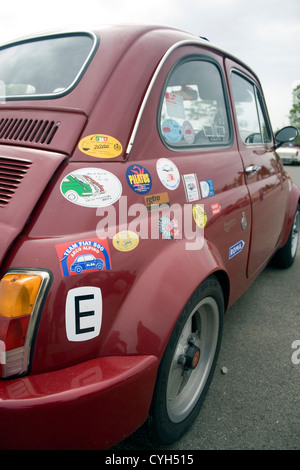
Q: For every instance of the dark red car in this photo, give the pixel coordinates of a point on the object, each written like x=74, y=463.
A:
x=150, y=151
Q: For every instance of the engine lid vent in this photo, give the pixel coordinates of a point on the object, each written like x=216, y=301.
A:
x=12, y=172
x=28, y=130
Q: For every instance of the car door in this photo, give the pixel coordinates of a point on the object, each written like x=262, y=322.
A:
x=187, y=124
x=267, y=185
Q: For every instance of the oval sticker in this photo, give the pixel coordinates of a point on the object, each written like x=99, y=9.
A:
x=199, y=215
x=126, y=240
x=91, y=187
x=100, y=146
x=168, y=173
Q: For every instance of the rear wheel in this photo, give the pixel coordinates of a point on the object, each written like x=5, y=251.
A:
x=285, y=257
x=188, y=364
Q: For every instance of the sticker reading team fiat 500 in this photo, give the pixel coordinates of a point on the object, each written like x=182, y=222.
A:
x=139, y=179
x=91, y=187
x=81, y=256
x=100, y=146
x=168, y=173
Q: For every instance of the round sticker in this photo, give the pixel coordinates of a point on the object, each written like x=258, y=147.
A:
x=126, y=240
x=169, y=228
x=91, y=187
x=188, y=132
x=139, y=179
x=168, y=173
x=199, y=215
x=171, y=130
x=100, y=146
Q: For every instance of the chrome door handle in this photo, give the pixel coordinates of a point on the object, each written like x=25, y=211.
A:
x=252, y=169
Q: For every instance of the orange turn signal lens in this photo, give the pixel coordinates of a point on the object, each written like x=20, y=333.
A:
x=18, y=293
x=20, y=298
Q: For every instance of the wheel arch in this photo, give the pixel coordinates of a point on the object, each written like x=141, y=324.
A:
x=160, y=292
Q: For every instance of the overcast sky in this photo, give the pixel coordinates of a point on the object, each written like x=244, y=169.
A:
x=263, y=33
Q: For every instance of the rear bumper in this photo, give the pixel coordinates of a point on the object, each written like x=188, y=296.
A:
x=92, y=405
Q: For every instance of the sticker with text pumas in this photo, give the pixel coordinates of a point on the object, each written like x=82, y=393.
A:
x=82, y=256
x=91, y=187
x=83, y=313
x=168, y=173
x=139, y=179
x=100, y=146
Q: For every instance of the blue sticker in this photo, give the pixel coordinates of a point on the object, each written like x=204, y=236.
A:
x=171, y=130
x=236, y=249
x=207, y=188
x=139, y=179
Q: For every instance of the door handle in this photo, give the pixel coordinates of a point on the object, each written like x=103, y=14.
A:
x=252, y=169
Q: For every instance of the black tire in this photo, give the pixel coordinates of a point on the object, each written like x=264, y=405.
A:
x=285, y=256
x=180, y=389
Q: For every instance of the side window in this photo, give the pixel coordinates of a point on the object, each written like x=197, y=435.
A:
x=253, y=127
x=193, y=111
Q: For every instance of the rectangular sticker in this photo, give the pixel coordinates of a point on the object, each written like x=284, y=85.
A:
x=157, y=201
x=207, y=188
x=81, y=256
x=236, y=249
x=175, y=107
x=191, y=187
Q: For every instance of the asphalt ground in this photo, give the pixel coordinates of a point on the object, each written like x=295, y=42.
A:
x=256, y=404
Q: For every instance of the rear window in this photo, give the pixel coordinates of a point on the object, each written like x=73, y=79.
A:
x=193, y=110
x=45, y=67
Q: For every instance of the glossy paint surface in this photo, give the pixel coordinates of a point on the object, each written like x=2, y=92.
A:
x=50, y=222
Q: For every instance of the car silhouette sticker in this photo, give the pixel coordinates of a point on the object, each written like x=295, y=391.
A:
x=139, y=179
x=91, y=187
x=82, y=256
x=100, y=146
x=168, y=173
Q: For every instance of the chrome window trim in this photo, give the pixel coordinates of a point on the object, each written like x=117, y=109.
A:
x=185, y=42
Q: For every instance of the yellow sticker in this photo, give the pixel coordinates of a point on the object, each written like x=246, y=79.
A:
x=199, y=215
x=126, y=240
x=100, y=146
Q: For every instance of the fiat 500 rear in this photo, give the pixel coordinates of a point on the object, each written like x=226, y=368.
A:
x=136, y=205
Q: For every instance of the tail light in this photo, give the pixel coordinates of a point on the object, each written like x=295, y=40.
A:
x=21, y=295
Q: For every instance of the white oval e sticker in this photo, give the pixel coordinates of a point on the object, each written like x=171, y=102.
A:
x=83, y=313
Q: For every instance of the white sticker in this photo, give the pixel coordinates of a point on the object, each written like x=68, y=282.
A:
x=191, y=187
x=91, y=187
x=83, y=313
x=175, y=107
x=168, y=173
